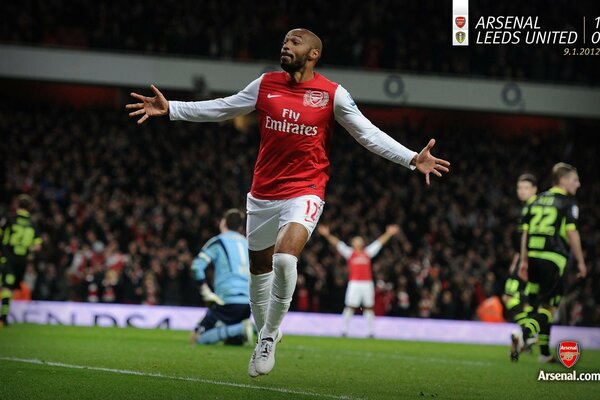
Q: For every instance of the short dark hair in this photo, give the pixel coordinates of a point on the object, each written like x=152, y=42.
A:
x=528, y=178
x=233, y=219
x=561, y=169
x=24, y=201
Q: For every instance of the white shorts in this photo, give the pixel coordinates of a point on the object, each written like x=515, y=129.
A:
x=266, y=217
x=360, y=293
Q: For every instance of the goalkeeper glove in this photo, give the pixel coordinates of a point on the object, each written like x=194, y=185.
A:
x=209, y=296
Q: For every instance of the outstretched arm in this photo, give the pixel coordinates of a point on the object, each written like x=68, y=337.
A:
x=324, y=231
x=375, y=140
x=156, y=106
x=374, y=248
x=341, y=247
x=390, y=231
x=215, y=110
x=428, y=164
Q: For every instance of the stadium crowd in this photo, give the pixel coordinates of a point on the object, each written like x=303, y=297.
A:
x=409, y=36
x=124, y=209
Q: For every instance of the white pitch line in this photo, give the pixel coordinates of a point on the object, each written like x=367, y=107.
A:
x=180, y=378
x=371, y=354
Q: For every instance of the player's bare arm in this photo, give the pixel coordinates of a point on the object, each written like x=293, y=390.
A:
x=514, y=262
x=524, y=262
x=325, y=232
x=390, y=231
x=428, y=164
x=575, y=244
x=156, y=106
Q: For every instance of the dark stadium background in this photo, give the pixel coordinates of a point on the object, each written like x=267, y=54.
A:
x=124, y=209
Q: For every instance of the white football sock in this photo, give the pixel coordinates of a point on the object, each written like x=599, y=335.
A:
x=282, y=290
x=260, y=292
x=370, y=316
x=347, y=317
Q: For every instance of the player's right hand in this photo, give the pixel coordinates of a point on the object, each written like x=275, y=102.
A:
x=150, y=107
x=323, y=230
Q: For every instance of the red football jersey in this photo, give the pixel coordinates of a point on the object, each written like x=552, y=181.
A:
x=359, y=267
x=296, y=123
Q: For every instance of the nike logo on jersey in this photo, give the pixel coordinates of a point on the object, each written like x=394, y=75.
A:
x=270, y=96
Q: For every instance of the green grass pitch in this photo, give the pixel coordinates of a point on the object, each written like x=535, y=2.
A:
x=62, y=362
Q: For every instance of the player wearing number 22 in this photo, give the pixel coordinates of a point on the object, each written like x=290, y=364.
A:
x=18, y=236
x=297, y=110
x=549, y=231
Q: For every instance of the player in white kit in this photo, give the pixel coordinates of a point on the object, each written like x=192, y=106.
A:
x=361, y=289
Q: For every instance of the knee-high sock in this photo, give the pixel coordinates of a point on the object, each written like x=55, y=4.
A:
x=530, y=325
x=6, y=295
x=519, y=313
x=370, y=316
x=347, y=317
x=220, y=333
x=282, y=290
x=539, y=323
x=545, y=321
x=260, y=293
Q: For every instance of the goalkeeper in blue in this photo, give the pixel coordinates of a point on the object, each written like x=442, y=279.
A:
x=227, y=318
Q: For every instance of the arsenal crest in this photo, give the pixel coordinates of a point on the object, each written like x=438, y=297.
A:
x=460, y=21
x=460, y=36
x=316, y=98
x=568, y=353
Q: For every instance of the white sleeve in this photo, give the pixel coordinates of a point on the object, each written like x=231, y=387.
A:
x=367, y=134
x=373, y=249
x=216, y=110
x=344, y=249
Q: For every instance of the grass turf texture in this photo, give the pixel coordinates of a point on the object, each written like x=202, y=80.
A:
x=111, y=363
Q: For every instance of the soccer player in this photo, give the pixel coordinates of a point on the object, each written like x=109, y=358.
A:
x=361, y=290
x=549, y=230
x=296, y=113
x=227, y=318
x=514, y=296
x=19, y=236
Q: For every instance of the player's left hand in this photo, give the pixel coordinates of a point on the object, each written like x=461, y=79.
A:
x=392, y=229
x=428, y=164
x=209, y=297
